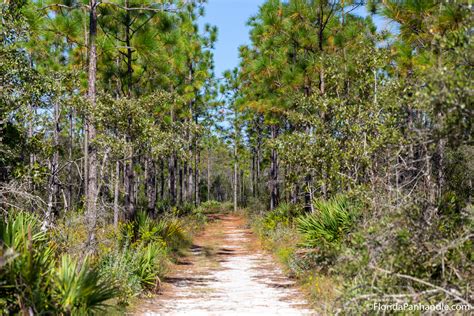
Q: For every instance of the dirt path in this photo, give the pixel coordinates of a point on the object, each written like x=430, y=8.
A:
x=226, y=273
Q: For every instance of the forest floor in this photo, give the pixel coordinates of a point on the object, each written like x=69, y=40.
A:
x=226, y=272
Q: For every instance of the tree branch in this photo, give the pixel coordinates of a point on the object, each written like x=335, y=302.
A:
x=151, y=9
x=409, y=277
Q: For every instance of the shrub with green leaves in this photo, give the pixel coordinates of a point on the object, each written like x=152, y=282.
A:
x=80, y=289
x=25, y=279
x=168, y=231
x=135, y=268
x=210, y=207
x=282, y=215
x=32, y=280
x=329, y=223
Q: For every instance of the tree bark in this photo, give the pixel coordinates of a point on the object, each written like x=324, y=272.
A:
x=196, y=176
x=91, y=149
x=208, y=174
x=70, y=153
x=116, y=194
x=184, y=181
x=53, y=183
x=274, y=190
x=235, y=181
x=172, y=180
x=180, y=181
x=129, y=186
x=162, y=179
x=151, y=186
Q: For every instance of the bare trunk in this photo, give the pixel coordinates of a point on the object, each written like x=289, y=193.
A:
x=190, y=182
x=30, y=137
x=53, y=183
x=184, y=180
x=172, y=180
x=252, y=174
x=70, y=152
x=274, y=190
x=151, y=186
x=208, y=174
x=235, y=181
x=180, y=186
x=196, y=176
x=116, y=194
x=130, y=187
x=242, y=188
x=162, y=179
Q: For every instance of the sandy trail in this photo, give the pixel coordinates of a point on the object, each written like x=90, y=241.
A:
x=226, y=273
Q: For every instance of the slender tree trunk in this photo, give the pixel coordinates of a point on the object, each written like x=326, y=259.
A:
x=184, y=180
x=274, y=190
x=197, y=158
x=242, y=188
x=91, y=149
x=180, y=181
x=151, y=186
x=208, y=174
x=53, y=183
x=129, y=185
x=172, y=180
x=116, y=194
x=259, y=156
x=235, y=180
x=32, y=157
x=252, y=168
x=162, y=179
x=190, y=182
x=70, y=153
x=86, y=160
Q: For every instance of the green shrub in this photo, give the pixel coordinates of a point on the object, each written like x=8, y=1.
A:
x=183, y=210
x=282, y=215
x=82, y=290
x=331, y=220
x=162, y=206
x=118, y=266
x=210, y=207
x=25, y=279
x=31, y=281
x=149, y=264
x=144, y=229
x=135, y=268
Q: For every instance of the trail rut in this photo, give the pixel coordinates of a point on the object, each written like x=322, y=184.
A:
x=226, y=273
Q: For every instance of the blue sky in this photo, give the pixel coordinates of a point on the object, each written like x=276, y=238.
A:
x=230, y=17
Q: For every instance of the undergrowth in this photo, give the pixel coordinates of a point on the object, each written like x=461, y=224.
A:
x=354, y=251
x=51, y=272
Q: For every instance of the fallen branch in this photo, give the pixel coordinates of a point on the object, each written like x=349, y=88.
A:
x=409, y=277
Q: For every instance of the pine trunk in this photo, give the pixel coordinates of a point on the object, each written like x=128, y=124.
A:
x=91, y=148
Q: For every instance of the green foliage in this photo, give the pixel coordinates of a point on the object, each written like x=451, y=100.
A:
x=32, y=279
x=135, y=268
x=282, y=215
x=80, y=288
x=149, y=264
x=210, y=207
x=168, y=231
x=330, y=222
x=25, y=279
